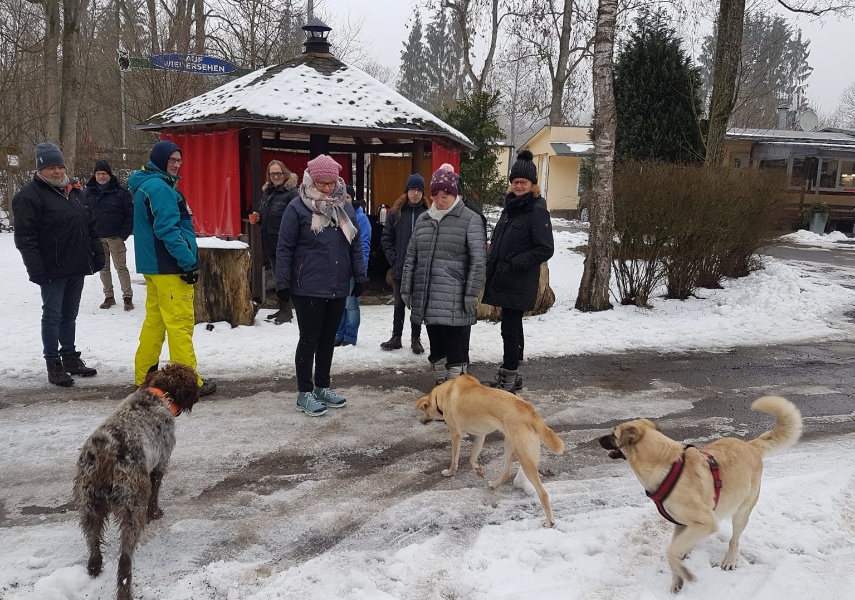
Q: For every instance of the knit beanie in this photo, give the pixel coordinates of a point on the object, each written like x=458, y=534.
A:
x=324, y=167
x=161, y=152
x=524, y=168
x=102, y=165
x=415, y=182
x=48, y=155
x=445, y=179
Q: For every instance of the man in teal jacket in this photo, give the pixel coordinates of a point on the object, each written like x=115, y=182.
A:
x=167, y=256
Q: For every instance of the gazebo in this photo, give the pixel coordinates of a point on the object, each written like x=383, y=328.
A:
x=310, y=105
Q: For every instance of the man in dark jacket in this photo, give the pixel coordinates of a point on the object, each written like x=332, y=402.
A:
x=397, y=231
x=112, y=207
x=60, y=246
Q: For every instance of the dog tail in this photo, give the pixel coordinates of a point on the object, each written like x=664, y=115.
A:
x=788, y=424
x=96, y=466
x=550, y=438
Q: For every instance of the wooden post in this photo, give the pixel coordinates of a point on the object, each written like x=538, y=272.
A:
x=256, y=177
x=360, y=173
x=318, y=144
x=418, y=156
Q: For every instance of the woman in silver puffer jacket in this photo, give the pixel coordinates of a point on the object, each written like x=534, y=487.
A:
x=443, y=275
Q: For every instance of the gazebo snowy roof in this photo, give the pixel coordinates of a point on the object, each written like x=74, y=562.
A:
x=312, y=93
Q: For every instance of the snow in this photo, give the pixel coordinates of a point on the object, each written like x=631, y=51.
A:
x=301, y=94
x=608, y=541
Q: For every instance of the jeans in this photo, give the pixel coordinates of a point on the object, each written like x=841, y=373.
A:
x=398, y=317
x=349, y=326
x=448, y=342
x=512, y=338
x=317, y=320
x=60, y=303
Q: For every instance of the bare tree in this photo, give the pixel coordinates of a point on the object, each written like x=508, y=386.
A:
x=472, y=16
x=845, y=112
x=594, y=286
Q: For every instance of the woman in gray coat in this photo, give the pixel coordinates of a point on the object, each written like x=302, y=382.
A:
x=443, y=274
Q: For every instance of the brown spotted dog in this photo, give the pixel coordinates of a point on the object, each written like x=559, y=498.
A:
x=122, y=464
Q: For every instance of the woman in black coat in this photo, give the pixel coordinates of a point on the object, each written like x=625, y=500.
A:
x=277, y=192
x=522, y=240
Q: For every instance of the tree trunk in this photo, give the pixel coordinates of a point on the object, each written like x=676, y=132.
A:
x=556, y=104
x=50, y=58
x=728, y=53
x=72, y=11
x=223, y=293
x=543, y=302
x=594, y=287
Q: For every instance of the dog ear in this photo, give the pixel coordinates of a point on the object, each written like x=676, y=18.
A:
x=651, y=424
x=179, y=381
x=423, y=403
x=629, y=435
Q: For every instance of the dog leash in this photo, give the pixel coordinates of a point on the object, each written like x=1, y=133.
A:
x=166, y=400
x=667, y=486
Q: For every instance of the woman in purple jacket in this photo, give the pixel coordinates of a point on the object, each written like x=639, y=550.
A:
x=319, y=250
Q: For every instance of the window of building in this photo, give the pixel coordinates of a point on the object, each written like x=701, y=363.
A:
x=740, y=161
x=800, y=172
x=828, y=173
x=847, y=173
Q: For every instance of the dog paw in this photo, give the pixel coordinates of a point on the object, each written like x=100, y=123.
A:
x=447, y=472
x=676, y=585
x=94, y=566
x=154, y=515
x=547, y=523
x=479, y=471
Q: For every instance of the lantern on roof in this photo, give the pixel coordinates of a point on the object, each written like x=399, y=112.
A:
x=316, y=36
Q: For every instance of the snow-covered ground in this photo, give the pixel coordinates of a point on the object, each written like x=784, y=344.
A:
x=454, y=540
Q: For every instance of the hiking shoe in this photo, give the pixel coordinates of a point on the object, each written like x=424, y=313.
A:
x=129, y=303
x=393, y=343
x=417, y=347
x=338, y=343
x=108, y=302
x=57, y=374
x=308, y=403
x=73, y=365
x=207, y=388
x=329, y=398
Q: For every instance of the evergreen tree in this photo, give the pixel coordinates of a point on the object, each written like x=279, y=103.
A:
x=443, y=61
x=413, y=84
x=656, y=96
x=476, y=116
x=773, y=71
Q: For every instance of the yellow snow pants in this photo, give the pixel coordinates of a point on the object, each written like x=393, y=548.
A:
x=168, y=314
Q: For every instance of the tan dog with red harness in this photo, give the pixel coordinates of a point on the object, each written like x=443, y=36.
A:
x=695, y=489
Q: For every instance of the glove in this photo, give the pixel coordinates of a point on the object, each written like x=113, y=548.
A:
x=358, y=288
x=191, y=276
x=40, y=279
x=284, y=294
x=99, y=264
x=470, y=304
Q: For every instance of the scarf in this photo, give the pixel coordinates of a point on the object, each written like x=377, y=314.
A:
x=329, y=209
x=437, y=214
x=512, y=200
x=57, y=183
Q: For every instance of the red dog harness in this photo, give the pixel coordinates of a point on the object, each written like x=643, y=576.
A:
x=661, y=494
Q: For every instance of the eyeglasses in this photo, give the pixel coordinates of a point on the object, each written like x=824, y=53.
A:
x=324, y=184
x=276, y=174
x=175, y=161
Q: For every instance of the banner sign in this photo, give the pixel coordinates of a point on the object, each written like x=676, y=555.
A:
x=192, y=63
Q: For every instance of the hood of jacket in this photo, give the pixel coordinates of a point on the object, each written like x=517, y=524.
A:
x=148, y=172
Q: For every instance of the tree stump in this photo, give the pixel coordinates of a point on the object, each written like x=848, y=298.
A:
x=223, y=292
x=543, y=301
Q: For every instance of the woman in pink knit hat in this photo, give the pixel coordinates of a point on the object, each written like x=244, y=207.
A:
x=318, y=251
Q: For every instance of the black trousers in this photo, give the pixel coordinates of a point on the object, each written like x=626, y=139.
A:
x=398, y=317
x=318, y=320
x=448, y=342
x=513, y=339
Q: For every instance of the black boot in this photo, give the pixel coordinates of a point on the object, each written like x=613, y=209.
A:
x=56, y=373
x=393, y=343
x=74, y=366
x=417, y=347
x=284, y=314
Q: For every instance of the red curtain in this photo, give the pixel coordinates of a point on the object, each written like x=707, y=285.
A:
x=440, y=154
x=210, y=180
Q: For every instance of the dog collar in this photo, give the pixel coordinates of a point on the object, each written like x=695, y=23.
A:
x=164, y=397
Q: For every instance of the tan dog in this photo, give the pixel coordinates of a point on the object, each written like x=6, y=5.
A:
x=691, y=501
x=466, y=406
